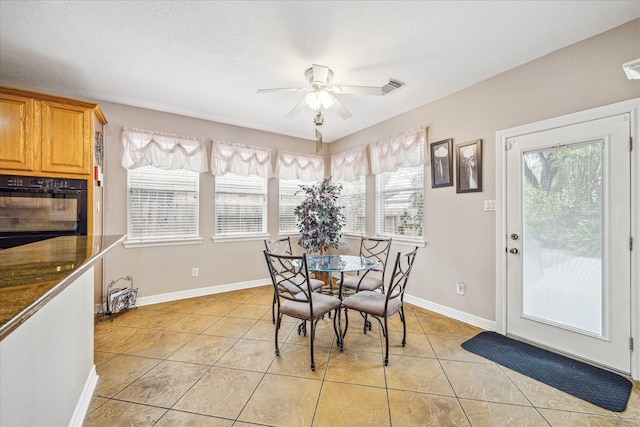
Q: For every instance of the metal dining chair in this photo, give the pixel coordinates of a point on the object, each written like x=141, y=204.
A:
x=295, y=296
x=282, y=246
x=375, y=249
x=381, y=306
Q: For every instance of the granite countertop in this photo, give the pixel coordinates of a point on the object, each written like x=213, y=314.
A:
x=31, y=275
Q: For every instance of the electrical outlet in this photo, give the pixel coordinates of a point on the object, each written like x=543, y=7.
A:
x=460, y=288
x=194, y=272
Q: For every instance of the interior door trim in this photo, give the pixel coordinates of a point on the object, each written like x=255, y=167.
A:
x=632, y=107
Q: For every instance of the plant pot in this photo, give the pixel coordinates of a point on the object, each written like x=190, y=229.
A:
x=324, y=276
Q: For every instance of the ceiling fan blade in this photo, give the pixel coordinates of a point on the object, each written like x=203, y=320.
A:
x=341, y=109
x=296, y=109
x=357, y=90
x=320, y=74
x=282, y=89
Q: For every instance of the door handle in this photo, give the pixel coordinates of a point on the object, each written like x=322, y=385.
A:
x=513, y=251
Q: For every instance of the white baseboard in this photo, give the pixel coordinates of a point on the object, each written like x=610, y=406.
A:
x=489, y=325
x=82, y=406
x=200, y=292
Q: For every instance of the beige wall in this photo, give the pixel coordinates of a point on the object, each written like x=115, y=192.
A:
x=460, y=235
x=165, y=269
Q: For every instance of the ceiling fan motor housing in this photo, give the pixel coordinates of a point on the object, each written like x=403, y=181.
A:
x=321, y=79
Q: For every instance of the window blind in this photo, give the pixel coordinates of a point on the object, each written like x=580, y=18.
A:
x=288, y=202
x=352, y=197
x=162, y=204
x=399, y=204
x=240, y=205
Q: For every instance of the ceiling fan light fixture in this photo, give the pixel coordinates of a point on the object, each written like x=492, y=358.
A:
x=311, y=99
x=319, y=98
x=325, y=98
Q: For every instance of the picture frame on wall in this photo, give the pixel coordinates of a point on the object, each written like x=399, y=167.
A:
x=469, y=167
x=442, y=163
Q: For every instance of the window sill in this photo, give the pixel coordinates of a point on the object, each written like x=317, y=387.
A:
x=241, y=238
x=162, y=242
x=405, y=241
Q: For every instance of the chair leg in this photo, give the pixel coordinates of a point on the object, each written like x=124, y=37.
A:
x=313, y=335
x=337, y=328
x=367, y=322
x=404, y=326
x=386, y=341
x=278, y=327
x=273, y=308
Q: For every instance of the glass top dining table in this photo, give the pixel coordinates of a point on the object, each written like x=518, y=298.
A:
x=339, y=263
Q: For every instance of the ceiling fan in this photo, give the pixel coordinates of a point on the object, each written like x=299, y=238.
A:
x=320, y=95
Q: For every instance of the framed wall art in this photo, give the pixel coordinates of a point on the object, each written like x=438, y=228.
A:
x=442, y=163
x=469, y=167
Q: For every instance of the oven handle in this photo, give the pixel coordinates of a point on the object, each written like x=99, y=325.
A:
x=40, y=190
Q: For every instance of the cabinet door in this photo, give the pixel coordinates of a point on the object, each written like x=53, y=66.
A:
x=17, y=148
x=66, y=138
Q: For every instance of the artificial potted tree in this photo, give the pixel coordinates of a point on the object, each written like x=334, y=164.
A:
x=319, y=218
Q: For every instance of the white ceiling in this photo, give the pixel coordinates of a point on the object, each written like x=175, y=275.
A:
x=206, y=59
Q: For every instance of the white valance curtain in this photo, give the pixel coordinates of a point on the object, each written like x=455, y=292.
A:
x=240, y=159
x=350, y=165
x=303, y=167
x=163, y=150
x=401, y=150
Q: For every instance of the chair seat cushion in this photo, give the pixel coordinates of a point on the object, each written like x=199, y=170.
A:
x=372, y=302
x=367, y=284
x=322, y=304
x=316, y=284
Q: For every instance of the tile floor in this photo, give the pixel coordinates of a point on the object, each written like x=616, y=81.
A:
x=210, y=361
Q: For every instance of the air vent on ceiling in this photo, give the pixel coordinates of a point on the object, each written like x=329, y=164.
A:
x=632, y=69
x=390, y=86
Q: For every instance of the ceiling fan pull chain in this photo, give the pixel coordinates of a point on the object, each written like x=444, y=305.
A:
x=318, y=141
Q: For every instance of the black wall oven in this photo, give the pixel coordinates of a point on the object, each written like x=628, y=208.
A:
x=39, y=208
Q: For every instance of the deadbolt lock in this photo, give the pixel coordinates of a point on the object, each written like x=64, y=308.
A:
x=514, y=236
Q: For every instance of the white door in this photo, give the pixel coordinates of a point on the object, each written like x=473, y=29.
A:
x=568, y=225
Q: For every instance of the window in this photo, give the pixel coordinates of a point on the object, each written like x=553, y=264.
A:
x=162, y=204
x=399, y=197
x=288, y=202
x=240, y=205
x=352, y=197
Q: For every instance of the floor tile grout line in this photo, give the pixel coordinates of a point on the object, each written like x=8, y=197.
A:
x=237, y=339
x=421, y=321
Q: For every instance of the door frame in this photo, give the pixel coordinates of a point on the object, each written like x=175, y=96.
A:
x=632, y=107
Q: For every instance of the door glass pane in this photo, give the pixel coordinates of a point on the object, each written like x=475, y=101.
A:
x=562, y=236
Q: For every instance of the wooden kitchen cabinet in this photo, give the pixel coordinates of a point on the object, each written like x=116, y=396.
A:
x=45, y=135
x=17, y=139
x=67, y=138
x=50, y=136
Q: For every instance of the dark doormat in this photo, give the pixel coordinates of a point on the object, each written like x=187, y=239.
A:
x=598, y=386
